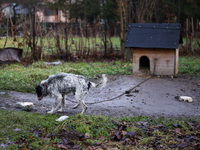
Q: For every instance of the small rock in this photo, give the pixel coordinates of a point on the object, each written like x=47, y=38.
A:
x=3, y=145
x=127, y=92
x=136, y=90
x=17, y=129
x=53, y=63
x=193, y=89
x=87, y=135
x=27, y=106
x=2, y=93
x=129, y=95
x=184, y=98
x=62, y=118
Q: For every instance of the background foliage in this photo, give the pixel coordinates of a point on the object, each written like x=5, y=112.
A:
x=93, y=19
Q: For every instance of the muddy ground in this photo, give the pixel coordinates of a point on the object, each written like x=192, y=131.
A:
x=154, y=97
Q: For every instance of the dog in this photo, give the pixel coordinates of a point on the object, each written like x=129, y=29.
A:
x=62, y=84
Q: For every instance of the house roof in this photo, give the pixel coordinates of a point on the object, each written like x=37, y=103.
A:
x=2, y=6
x=153, y=35
x=19, y=8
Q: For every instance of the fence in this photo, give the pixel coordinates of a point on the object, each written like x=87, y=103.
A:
x=192, y=34
x=60, y=40
x=77, y=39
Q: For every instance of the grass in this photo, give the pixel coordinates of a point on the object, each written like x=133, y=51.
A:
x=24, y=79
x=50, y=44
x=195, y=43
x=189, y=65
x=24, y=130
x=17, y=126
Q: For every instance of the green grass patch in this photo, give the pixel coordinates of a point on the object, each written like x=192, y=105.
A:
x=50, y=44
x=24, y=127
x=195, y=43
x=24, y=79
x=25, y=130
x=189, y=65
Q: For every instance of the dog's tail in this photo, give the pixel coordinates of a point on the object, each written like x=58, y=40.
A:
x=102, y=83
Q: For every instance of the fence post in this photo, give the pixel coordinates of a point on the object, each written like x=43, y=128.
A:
x=58, y=38
x=6, y=34
x=41, y=39
x=66, y=40
x=187, y=36
x=105, y=34
x=34, y=35
x=82, y=37
x=192, y=35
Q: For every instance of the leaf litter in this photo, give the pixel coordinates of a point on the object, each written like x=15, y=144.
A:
x=145, y=134
x=141, y=134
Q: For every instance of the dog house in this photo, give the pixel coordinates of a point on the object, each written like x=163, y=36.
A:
x=155, y=47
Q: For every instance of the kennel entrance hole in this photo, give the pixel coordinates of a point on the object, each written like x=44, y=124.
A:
x=144, y=63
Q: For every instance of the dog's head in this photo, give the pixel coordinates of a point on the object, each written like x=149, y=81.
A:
x=38, y=90
x=41, y=91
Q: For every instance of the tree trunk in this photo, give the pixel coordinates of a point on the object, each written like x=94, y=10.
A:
x=34, y=35
x=82, y=38
x=105, y=40
x=192, y=35
x=187, y=35
x=41, y=40
x=122, y=34
x=58, y=40
x=66, y=41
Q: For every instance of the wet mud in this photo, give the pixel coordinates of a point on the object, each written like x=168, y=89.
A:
x=124, y=96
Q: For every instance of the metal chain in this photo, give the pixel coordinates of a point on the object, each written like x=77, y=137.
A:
x=128, y=91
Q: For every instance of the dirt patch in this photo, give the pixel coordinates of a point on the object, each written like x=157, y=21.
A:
x=154, y=97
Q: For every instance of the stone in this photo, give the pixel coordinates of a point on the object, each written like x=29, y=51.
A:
x=27, y=106
x=62, y=118
x=184, y=98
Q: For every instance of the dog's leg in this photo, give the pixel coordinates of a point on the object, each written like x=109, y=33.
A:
x=84, y=106
x=81, y=101
x=62, y=104
x=76, y=106
x=55, y=107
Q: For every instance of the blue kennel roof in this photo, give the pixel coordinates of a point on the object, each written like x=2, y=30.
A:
x=153, y=35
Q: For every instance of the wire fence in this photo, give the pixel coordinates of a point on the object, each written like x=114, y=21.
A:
x=77, y=39
x=60, y=40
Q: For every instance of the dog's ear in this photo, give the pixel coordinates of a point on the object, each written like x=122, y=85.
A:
x=38, y=90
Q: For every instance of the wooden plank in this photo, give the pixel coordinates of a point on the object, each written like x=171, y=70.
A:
x=165, y=64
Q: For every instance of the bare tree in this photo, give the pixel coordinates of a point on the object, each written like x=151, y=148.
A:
x=145, y=10
x=2, y=17
x=122, y=9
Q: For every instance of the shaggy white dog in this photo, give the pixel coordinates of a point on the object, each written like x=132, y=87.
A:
x=63, y=83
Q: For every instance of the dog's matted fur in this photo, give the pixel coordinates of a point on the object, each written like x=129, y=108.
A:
x=63, y=83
